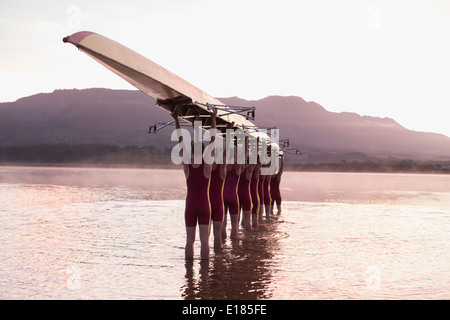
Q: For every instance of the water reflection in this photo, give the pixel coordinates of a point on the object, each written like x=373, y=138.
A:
x=242, y=271
x=122, y=232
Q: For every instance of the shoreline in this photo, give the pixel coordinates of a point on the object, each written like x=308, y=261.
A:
x=303, y=167
x=114, y=156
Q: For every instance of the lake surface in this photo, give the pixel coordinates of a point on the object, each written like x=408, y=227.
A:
x=89, y=233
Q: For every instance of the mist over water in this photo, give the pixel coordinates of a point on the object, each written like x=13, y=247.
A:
x=90, y=233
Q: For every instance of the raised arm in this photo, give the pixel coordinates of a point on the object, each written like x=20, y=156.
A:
x=280, y=171
x=207, y=168
x=180, y=139
x=281, y=163
x=213, y=119
x=226, y=156
x=213, y=126
x=177, y=123
x=224, y=165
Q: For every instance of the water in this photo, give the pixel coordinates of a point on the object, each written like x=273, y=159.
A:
x=83, y=233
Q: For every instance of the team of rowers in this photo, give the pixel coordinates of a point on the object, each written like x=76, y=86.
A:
x=215, y=189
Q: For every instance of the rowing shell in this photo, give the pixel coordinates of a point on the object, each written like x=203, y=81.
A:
x=169, y=90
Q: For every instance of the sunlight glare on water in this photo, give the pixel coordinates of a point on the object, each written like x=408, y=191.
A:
x=83, y=233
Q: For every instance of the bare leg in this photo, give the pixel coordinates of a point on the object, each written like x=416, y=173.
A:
x=254, y=220
x=261, y=212
x=241, y=217
x=246, y=220
x=224, y=227
x=217, y=226
x=234, y=225
x=204, y=241
x=268, y=209
x=190, y=238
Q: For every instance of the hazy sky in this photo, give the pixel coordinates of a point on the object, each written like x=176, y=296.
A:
x=382, y=58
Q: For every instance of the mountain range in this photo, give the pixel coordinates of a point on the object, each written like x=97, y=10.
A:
x=123, y=117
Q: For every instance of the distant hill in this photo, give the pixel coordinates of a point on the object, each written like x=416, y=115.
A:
x=104, y=116
x=122, y=117
x=318, y=131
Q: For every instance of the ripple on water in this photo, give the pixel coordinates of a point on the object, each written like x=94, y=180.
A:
x=65, y=239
